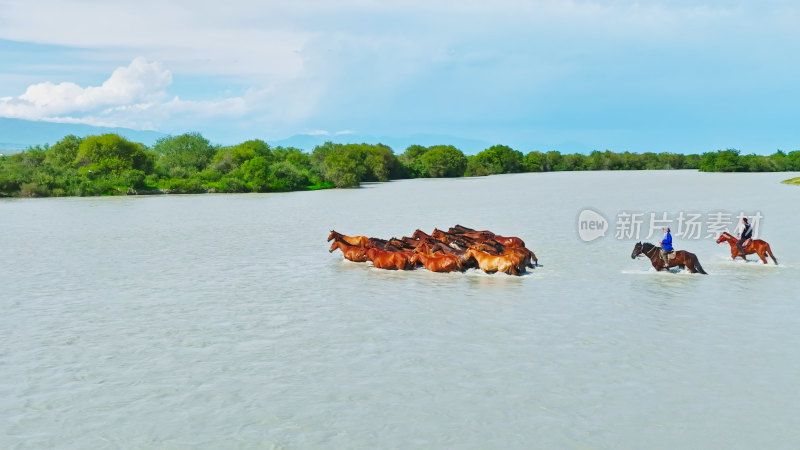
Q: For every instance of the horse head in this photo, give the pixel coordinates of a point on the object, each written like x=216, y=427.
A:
x=724, y=237
x=637, y=250
x=333, y=235
x=334, y=246
x=419, y=234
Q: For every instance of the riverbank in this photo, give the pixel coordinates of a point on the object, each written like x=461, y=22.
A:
x=792, y=181
x=189, y=164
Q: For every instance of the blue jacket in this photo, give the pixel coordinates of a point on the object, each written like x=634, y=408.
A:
x=666, y=243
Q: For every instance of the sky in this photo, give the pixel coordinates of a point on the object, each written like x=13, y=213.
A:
x=681, y=76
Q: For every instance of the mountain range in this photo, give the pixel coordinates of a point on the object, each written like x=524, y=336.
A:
x=19, y=134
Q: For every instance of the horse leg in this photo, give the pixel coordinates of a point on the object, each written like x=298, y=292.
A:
x=769, y=250
x=762, y=256
x=697, y=266
x=690, y=265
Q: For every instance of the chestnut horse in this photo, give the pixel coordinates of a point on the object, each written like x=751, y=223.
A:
x=361, y=241
x=439, y=262
x=682, y=258
x=350, y=252
x=383, y=259
x=495, y=263
x=757, y=246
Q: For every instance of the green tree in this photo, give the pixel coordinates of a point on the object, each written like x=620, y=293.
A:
x=183, y=155
x=63, y=152
x=494, y=160
x=410, y=159
x=284, y=176
x=443, y=161
x=720, y=161
x=110, y=153
x=255, y=172
x=534, y=162
x=228, y=159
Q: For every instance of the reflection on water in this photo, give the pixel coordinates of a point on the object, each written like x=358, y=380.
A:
x=222, y=321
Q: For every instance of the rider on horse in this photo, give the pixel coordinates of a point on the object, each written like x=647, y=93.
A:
x=745, y=234
x=666, y=246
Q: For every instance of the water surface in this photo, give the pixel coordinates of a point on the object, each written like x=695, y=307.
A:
x=221, y=321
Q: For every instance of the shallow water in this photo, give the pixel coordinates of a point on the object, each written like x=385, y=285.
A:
x=221, y=321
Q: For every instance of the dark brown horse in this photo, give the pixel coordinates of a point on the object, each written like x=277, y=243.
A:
x=681, y=258
x=456, y=241
x=402, y=245
x=419, y=234
x=758, y=246
x=350, y=252
x=511, y=241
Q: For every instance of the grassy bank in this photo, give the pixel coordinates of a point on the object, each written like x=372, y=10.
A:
x=795, y=180
x=112, y=165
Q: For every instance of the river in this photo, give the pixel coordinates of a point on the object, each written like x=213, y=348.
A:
x=221, y=321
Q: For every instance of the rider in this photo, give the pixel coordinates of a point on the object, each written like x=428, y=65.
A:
x=746, y=233
x=666, y=246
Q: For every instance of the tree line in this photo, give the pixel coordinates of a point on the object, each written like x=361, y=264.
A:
x=112, y=165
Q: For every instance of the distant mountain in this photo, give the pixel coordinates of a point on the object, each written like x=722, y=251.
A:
x=18, y=134
x=398, y=144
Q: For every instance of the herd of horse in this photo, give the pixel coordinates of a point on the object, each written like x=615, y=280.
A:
x=455, y=250
x=460, y=248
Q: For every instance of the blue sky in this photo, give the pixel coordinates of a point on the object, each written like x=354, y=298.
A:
x=683, y=76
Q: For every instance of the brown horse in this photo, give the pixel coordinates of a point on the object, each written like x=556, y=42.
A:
x=383, y=259
x=402, y=245
x=757, y=246
x=511, y=241
x=495, y=263
x=682, y=258
x=361, y=241
x=350, y=252
x=456, y=241
x=439, y=262
x=419, y=234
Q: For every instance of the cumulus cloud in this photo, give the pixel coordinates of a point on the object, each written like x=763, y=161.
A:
x=139, y=82
x=133, y=96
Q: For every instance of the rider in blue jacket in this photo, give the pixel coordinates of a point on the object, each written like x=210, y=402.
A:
x=666, y=246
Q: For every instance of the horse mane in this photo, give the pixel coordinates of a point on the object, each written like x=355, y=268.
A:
x=341, y=240
x=647, y=244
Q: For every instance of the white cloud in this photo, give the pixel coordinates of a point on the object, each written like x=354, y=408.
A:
x=140, y=82
x=133, y=96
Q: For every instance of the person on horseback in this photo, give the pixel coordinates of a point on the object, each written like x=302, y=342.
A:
x=745, y=234
x=666, y=246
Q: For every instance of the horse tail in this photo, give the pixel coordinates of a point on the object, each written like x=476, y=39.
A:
x=769, y=250
x=697, y=265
